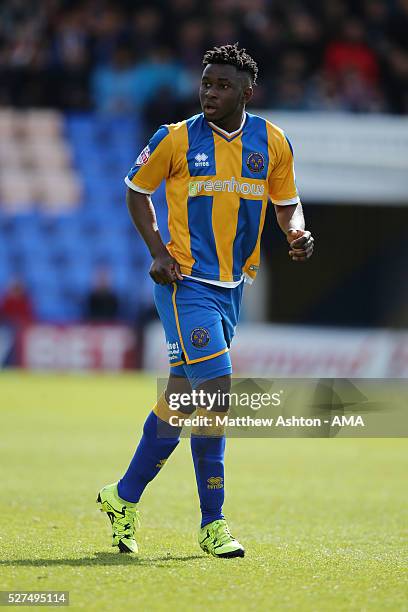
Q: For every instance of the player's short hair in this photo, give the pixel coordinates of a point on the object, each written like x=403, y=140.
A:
x=233, y=56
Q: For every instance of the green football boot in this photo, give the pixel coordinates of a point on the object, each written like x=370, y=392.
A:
x=215, y=539
x=123, y=515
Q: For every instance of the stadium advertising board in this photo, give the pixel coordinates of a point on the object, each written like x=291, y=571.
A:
x=78, y=347
x=286, y=351
x=6, y=345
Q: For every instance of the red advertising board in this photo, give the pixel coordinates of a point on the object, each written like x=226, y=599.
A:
x=78, y=347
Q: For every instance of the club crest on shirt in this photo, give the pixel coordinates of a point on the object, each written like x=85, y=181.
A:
x=255, y=162
x=200, y=337
x=143, y=157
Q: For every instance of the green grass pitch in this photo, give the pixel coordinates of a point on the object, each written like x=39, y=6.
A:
x=322, y=520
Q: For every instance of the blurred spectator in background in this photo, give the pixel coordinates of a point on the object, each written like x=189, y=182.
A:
x=114, y=86
x=350, y=52
x=146, y=31
x=354, y=67
x=15, y=305
x=119, y=57
x=190, y=45
x=102, y=304
x=125, y=87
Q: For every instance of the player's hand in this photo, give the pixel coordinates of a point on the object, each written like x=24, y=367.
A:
x=301, y=244
x=165, y=270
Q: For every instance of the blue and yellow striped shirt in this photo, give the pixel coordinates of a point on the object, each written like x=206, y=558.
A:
x=217, y=190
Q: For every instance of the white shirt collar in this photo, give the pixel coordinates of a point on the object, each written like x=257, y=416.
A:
x=229, y=134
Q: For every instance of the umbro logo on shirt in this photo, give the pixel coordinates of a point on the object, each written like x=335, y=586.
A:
x=201, y=160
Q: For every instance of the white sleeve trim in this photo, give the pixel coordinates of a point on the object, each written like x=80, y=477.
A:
x=295, y=200
x=136, y=187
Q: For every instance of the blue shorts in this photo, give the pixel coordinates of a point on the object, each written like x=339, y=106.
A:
x=199, y=321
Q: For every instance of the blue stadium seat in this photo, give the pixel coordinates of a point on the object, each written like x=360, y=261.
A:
x=6, y=274
x=57, y=256
x=54, y=307
x=80, y=127
x=29, y=243
x=77, y=277
x=40, y=276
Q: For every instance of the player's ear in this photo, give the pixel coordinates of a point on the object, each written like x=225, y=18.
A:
x=248, y=93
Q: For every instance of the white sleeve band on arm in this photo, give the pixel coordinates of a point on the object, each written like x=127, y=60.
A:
x=295, y=200
x=136, y=188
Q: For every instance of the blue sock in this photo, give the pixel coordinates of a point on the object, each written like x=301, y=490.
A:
x=149, y=458
x=208, y=458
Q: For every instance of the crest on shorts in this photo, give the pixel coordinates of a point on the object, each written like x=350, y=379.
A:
x=143, y=157
x=200, y=337
x=255, y=162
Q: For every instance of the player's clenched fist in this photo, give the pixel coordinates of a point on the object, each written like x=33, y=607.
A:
x=165, y=270
x=301, y=244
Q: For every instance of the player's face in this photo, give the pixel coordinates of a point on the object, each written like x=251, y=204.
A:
x=224, y=92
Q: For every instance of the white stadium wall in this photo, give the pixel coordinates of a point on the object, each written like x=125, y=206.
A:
x=348, y=159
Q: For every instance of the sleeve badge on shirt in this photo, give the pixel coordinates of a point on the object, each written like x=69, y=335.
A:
x=255, y=162
x=200, y=337
x=143, y=157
